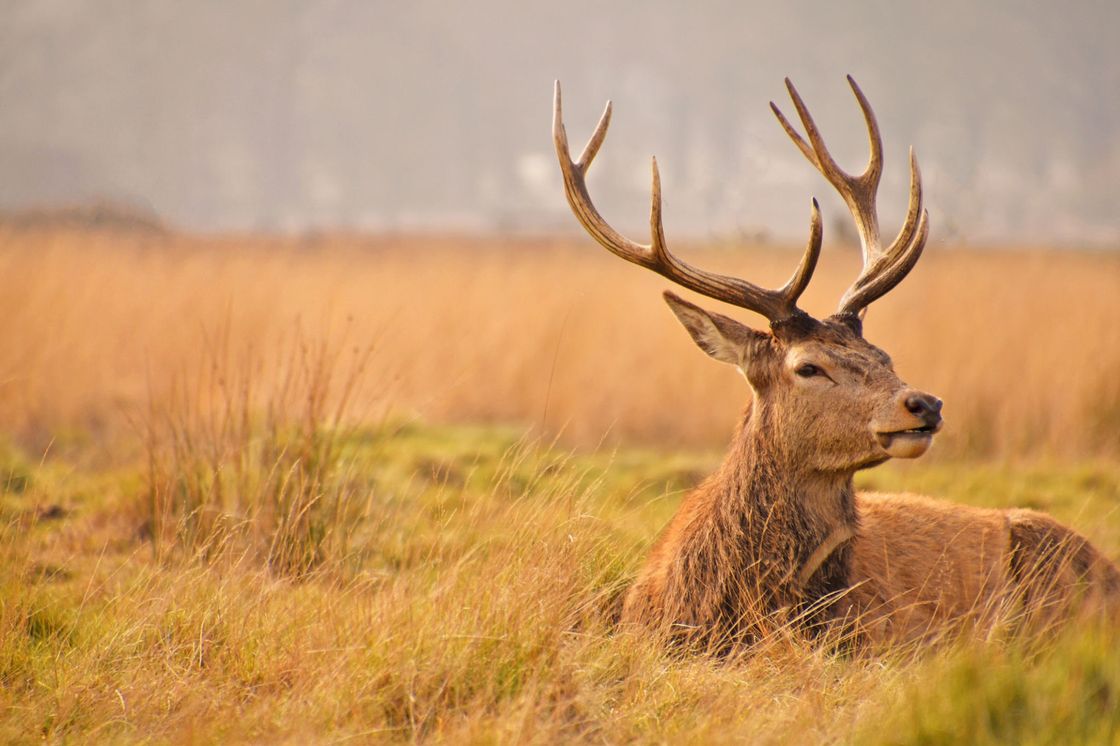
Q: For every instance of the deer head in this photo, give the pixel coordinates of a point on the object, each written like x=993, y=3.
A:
x=826, y=398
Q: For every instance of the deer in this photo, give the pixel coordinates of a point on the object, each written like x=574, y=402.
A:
x=778, y=537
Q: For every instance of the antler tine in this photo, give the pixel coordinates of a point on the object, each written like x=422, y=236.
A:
x=804, y=272
x=861, y=294
x=883, y=268
x=875, y=139
x=773, y=304
x=817, y=152
x=880, y=276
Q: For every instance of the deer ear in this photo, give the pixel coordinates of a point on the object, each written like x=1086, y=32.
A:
x=721, y=337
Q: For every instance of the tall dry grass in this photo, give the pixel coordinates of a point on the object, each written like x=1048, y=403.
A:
x=479, y=613
x=237, y=469
x=1023, y=346
x=220, y=377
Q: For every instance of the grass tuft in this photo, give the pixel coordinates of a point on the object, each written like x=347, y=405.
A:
x=234, y=470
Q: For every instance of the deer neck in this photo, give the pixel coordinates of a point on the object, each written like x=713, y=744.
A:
x=792, y=522
x=763, y=470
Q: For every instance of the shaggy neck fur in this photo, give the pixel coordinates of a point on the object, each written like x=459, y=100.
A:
x=729, y=564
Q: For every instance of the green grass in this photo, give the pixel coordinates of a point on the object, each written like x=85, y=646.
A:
x=471, y=605
x=1067, y=691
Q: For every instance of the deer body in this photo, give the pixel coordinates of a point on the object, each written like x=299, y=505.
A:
x=778, y=534
x=913, y=570
x=920, y=567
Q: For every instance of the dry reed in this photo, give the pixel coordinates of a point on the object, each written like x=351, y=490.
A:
x=1023, y=346
x=235, y=469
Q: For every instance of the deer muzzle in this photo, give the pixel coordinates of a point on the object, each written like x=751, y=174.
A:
x=924, y=412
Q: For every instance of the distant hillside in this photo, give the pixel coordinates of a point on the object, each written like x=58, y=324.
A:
x=97, y=216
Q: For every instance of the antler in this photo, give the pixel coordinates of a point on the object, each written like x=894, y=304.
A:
x=882, y=268
x=775, y=305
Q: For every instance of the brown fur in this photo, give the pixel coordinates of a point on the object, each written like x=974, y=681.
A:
x=1056, y=572
x=921, y=567
x=727, y=567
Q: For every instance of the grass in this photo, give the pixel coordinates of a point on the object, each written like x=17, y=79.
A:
x=1023, y=346
x=262, y=490
x=476, y=609
x=232, y=469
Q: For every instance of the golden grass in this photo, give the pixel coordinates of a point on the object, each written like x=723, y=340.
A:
x=1024, y=347
x=240, y=534
x=475, y=611
x=232, y=469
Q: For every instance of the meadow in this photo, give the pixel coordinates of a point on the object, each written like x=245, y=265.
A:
x=340, y=488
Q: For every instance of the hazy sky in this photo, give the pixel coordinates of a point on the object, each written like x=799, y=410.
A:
x=398, y=115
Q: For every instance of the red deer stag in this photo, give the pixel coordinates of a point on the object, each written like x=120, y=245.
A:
x=779, y=532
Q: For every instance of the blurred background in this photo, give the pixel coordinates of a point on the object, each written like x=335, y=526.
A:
x=240, y=186
x=388, y=116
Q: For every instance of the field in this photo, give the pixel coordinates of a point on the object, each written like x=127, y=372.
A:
x=340, y=488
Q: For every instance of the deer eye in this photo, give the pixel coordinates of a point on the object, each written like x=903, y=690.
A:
x=808, y=370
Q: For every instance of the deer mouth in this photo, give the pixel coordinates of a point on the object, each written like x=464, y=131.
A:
x=909, y=443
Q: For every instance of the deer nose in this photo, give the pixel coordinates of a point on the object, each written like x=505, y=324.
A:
x=924, y=406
